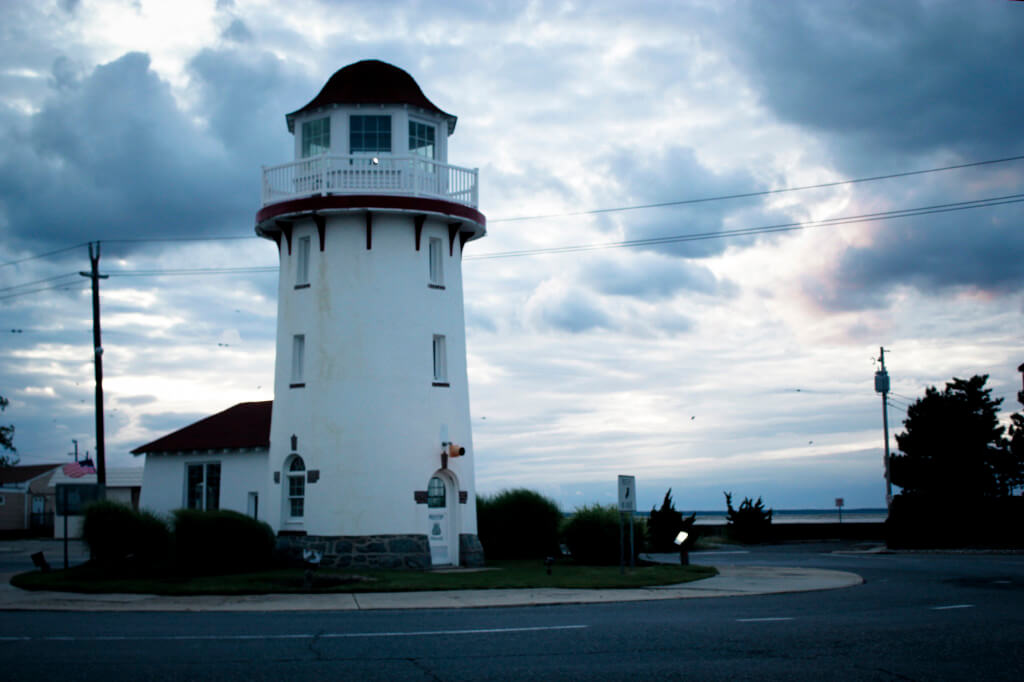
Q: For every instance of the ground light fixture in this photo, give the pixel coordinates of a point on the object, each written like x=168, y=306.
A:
x=684, y=555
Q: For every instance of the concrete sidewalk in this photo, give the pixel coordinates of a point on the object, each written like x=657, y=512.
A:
x=731, y=581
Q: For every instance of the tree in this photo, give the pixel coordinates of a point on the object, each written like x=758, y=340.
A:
x=953, y=446
x=8, y=456
x=751, y=522
x=663, y=525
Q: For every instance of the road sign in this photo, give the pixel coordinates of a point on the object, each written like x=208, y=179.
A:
x=627, y=493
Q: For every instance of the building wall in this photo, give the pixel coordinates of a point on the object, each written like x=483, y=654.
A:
x=368, y=417
x=163, y=480
x=12, y=511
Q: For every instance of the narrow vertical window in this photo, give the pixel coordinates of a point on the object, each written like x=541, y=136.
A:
x=302, y=263
x=298, y=358
x=436, y=262
x=296, y=488
x=316, y=137
x=440, y=361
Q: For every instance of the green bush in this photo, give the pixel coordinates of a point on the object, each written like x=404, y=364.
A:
x=663, y=525
x=518, y=524
x=750, y=523
x=218, y=542
x=592, y=535
x=118, y=535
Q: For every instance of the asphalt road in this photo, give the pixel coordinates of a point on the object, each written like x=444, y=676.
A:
x=918, y=616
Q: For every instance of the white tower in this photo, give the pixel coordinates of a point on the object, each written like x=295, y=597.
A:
x=370, y=380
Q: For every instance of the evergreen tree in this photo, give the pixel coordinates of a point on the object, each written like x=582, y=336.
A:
x=8, y=458
x=953, y=446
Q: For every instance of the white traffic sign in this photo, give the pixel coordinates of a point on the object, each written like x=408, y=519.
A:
x=627, y=493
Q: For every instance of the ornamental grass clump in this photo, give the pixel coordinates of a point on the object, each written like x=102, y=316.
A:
x=518, y=524
x=120, y=537
x=592, y=535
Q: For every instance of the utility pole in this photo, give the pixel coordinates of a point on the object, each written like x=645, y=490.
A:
x=75, y=441
x=882, y=386
x=95, y=276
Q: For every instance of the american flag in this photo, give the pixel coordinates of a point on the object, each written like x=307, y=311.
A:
x=79, y=469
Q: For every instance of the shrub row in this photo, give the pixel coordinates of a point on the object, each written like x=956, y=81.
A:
x=194, y=542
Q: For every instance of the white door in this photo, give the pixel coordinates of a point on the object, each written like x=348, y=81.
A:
x=438, y=530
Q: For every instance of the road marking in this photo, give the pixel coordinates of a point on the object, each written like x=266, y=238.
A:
x=1002, y=582
x=762, y=620
x=305, y=635
x=952, y=606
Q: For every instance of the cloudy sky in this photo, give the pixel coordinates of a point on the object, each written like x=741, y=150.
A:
x=739, y=360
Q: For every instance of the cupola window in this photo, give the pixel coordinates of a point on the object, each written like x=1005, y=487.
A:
x=421, y=140
x=369, y=134
x=316, y=137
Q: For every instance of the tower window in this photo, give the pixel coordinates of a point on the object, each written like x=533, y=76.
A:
x=440, y=361
x=298, y=358
x=302, y=263
x=436, y=262
x=296, y=488
x=316, y=137
x=421, y=140
x=369, y=134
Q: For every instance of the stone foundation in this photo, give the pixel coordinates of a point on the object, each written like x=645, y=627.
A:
x=411, y=552
x=471, y=552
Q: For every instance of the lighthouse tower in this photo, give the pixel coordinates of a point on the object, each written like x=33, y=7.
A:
x=371, y=452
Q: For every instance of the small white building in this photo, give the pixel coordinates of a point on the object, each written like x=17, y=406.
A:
x=124, y=485
x=369, y=456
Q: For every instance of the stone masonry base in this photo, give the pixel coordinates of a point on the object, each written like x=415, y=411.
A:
x=375, y=551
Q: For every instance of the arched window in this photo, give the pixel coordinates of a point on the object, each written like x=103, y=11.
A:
x=435, y=493
x=296, y=488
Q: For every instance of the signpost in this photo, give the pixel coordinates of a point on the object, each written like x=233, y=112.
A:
x=839, y=506
x=627, y=505
x=72, y=499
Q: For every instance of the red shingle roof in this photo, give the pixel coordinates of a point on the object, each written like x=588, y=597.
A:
x=246, y=425
x=20, y=474
x=370, y=81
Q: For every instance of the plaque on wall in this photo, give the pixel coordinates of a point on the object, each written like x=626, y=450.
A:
x=277, y=477
x=420, y=496
x=313, y=475
x=463, y=496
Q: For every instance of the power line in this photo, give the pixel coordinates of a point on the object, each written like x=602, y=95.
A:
x=746, y=195
x=38, y=281
x=764, y=229
x=42, y=255
x=66, y=286
x=194, y=271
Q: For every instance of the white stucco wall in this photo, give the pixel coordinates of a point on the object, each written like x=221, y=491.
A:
x=369, y=418
x=163, y=480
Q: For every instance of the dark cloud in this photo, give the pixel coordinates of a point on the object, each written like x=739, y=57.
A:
x=237, y=32
x=980, y=250
x=651, y=279
x=168, y=422
x=676, y=174
x=115, y=157
x=569, y=311
x=890, y=78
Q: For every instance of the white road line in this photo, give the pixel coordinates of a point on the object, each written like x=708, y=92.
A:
x=952, y=606
x=305, y=635
x=761, y=620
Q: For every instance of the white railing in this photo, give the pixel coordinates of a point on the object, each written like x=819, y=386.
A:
x=412, y=175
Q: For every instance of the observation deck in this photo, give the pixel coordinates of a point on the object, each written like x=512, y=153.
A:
x=409, y=183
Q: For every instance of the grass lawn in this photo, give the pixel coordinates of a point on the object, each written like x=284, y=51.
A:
x=499, y=574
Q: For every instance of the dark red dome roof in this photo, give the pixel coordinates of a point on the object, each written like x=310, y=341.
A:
x=370, y=81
